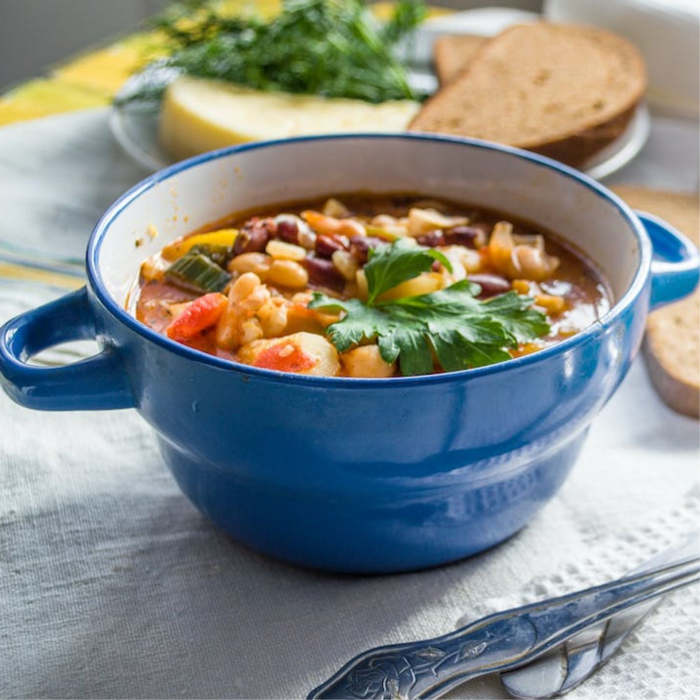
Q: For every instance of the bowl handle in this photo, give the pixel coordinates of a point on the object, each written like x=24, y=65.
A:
x=676, y=266
x=95, y=383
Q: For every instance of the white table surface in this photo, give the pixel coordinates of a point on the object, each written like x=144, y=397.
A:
x=113, y=585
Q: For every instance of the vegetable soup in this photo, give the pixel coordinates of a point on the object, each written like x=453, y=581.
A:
x=369, y=286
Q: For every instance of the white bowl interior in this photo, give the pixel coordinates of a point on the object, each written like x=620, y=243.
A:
x=297, y=170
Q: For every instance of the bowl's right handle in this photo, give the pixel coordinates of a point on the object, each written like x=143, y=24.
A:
x=675, y=269
x=98, y=382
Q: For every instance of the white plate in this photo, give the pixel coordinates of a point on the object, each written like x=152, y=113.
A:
x=136, y=131
x=135, y=126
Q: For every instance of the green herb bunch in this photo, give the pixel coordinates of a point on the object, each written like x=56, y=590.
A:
x=322, y=47
x=451, y=325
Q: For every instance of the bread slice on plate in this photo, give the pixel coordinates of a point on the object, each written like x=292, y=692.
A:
x=564, y=91
x=452, y=53
x=672, y=343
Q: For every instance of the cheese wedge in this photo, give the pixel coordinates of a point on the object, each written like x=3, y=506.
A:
x=201, y=115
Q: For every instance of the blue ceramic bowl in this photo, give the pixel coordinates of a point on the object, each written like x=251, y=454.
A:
x=357, y=475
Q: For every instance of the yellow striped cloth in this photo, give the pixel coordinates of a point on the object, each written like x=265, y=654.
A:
x=93, y=78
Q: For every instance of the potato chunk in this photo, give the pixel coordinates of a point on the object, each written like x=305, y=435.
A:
x=423, y=284
x=301, y=353
x=366, y=361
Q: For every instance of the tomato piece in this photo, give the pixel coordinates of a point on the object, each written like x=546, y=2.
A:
x=199, y=315
x=285, y=357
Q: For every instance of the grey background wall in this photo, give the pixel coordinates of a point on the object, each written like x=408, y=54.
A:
x=34, y=34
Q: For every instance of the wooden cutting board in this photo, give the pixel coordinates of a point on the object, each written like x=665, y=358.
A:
x=672, y=342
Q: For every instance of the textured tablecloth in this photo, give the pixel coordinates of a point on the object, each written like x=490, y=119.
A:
x=112, y=584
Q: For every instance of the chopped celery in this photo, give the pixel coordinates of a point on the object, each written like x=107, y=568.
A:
x=197, y=271
x=220, y=254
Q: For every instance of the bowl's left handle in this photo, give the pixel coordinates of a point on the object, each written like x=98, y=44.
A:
x=96, y=383
x=676, y=266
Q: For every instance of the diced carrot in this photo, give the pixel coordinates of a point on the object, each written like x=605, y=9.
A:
x=525, y=349
x=553, y=304
x=521, y=286
x=199, y=315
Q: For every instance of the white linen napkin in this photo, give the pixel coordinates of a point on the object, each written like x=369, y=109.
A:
x=113, y=585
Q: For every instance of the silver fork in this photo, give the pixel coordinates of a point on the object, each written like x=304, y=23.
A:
x=499, y=642
x=570, y=664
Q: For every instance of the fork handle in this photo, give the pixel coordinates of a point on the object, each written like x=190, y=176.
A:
x=502, y=641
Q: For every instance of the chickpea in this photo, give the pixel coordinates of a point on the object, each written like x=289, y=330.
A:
x=259, y=296
x=246, y=295
x=273, y=317
x=227, y=335
x=288, y=273
x=250, y=330
x=243, y=286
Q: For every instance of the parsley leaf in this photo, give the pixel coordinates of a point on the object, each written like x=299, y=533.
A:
x=360, y=322
x=450, y=325
x=401, y=261
x=523, y=322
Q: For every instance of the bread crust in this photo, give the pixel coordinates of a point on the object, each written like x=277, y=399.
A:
x=672, y=341
x=672, y=383
x=577, y=149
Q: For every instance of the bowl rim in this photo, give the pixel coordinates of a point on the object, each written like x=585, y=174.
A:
x=110, y=215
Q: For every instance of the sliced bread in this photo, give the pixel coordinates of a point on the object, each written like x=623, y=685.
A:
x=452, y=53
x=562, y=90
x=672, y=343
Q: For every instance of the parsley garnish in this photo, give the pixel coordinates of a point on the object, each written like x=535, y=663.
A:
x=391, y=265
x=451, y=324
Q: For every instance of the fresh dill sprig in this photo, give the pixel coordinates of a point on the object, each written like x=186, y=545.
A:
x=333, y=48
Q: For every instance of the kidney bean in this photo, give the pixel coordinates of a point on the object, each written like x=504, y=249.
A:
x=326, y=246
x=468, y=236
x=491, y=285
x=288, y=230
x=322, y=272
x=360, y=245
x=254, y=236
x=431, y=239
